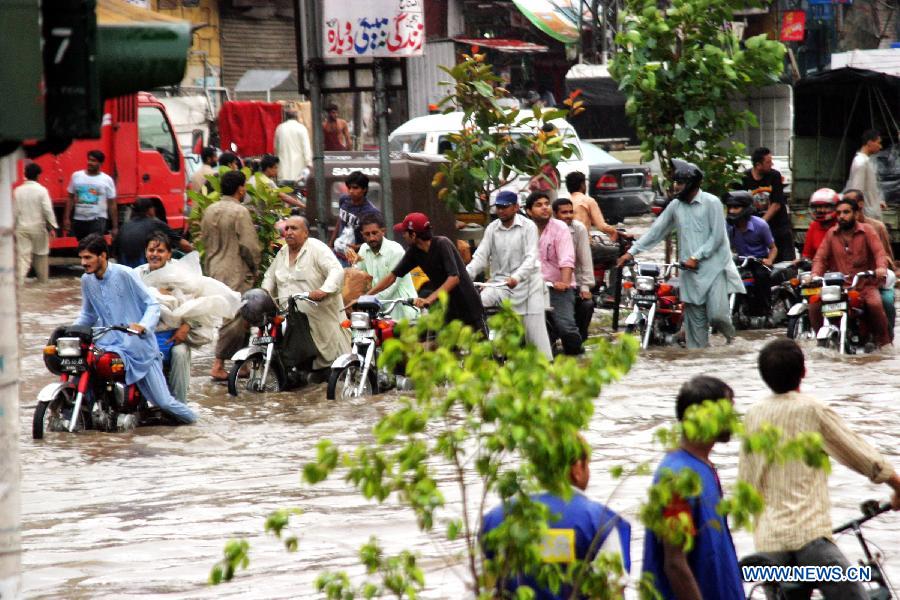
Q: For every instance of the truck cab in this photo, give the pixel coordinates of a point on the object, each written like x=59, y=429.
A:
x=142, y=156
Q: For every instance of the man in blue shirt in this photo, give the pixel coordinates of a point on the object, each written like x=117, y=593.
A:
x=750, y=235
x=710, y=569
x=114, y=295
x=578, y=529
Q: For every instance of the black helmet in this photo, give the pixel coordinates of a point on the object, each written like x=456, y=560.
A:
x=689, y=174
x=741, y=199
x=256, y=305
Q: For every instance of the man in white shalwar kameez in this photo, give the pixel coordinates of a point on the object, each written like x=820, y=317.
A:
x=510, y=249
x=305, y=264
x=292, y=147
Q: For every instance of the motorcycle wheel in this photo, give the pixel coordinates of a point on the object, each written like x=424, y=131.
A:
x=832, y=342
x=48, y=415
x=780, y=308
x=638, y=332
x=343, y=383
x=793, y=327
x=275, y=380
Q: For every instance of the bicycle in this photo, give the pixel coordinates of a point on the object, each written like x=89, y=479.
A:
x=785, y=590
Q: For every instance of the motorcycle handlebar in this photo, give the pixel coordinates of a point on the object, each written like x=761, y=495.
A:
x=862, y=275
x=99, y=332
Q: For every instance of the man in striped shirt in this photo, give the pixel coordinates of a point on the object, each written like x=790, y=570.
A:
x=796, y=522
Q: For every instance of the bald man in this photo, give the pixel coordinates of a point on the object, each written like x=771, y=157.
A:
x=305, y=264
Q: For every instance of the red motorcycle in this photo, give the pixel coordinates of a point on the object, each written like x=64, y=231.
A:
x=656, y=308
x=91, y=392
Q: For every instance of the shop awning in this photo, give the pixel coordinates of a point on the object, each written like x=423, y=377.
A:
x=119, y=12
x=503, y=45
x=556, y=18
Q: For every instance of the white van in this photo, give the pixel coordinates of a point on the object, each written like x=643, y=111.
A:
x=430, y=135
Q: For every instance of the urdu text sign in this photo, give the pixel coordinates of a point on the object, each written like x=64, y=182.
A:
x=376, y=28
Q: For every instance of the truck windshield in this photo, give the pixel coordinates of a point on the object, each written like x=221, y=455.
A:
x=156, y=135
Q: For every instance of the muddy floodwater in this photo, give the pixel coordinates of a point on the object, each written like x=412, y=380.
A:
x=148, y=513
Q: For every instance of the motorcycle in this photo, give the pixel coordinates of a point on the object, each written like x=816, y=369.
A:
x=604, y=254
x=842, y=309
x=802, y=287
x=781, y=296
x=356, y=374
x=267, y=371
x=91, y=392
x=657, y=312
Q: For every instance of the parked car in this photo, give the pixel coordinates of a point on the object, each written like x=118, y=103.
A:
x=430, y=135
x=621, y=189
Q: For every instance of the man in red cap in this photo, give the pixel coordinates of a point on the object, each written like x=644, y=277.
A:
x=439, y=258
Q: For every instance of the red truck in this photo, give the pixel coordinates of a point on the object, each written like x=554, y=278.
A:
x=142, y=157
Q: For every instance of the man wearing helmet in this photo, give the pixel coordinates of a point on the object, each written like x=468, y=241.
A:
x=709, y=273
x=750, y=236
x=821, y=206
x=767, y=187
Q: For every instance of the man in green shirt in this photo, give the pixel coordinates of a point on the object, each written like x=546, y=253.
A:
x=377, y=257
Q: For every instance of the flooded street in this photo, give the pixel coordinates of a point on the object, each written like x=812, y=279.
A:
x=147, y=514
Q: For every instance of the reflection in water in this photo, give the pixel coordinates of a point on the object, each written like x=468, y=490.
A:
x=112, y=515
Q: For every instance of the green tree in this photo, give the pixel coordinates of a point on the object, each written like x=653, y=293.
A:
x=265, y=206
x=496, y=145
x=679, y=67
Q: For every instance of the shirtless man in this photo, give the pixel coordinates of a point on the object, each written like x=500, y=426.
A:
x=586, y=208
x=336, y=131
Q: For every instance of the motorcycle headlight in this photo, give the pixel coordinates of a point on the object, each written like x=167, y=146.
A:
x=68, y=346
x=806, y=278
x=831, y=293
x=645, y=284
x=360, y=320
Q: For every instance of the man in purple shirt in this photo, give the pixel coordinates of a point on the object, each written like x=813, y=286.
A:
x=751, y=236
x=557, y=254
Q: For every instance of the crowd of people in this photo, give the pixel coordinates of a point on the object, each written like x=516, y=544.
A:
x=541, y=259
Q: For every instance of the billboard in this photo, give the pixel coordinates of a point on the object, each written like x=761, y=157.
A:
x=375, y=28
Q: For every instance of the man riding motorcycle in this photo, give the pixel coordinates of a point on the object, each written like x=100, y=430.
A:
x=821, y=206
x=750, y=235
x=850, y=248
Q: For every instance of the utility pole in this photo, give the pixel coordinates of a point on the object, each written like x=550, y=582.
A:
x=311, y=69
x=384, y=152
x=10, y=508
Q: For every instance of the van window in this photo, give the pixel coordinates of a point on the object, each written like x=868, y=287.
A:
x=155, y=134
x=410, y=142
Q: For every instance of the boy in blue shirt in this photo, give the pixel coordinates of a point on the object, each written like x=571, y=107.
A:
x=710, y=569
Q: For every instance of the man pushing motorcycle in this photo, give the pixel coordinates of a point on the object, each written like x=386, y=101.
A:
x=850, y=248
x=114, y=295
x=305, y=264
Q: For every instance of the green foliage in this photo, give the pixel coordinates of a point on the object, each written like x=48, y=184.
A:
x=265, y=206
x=679, y=68
x=496, y=144
x=398, y=576
x=507, y=427
x=236, y=555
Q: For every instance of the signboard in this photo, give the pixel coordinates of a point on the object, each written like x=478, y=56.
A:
x=793, y=26
x=375, y=28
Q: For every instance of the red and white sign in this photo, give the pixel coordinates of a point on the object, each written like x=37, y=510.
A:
x=375, y=28
x=793, y=25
